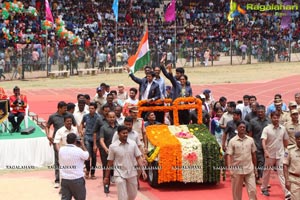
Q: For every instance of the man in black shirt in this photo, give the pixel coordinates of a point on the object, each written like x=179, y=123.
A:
x=230, y=130
x=256, y=127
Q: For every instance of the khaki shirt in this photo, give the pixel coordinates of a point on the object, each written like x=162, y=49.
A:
x=274, y=140
x=226, y=117
x=292, y=129
x=124, y=157
x=285, y=117
x=241, y=150
x=292, y=159
x=100, y=101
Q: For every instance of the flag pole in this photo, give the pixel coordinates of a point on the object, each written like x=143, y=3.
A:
x=230, y=42
x=46, y=52
x=116, y=43
x=175, y=57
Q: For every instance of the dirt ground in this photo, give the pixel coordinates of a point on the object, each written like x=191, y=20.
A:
x=16, y=184
x=197, y=76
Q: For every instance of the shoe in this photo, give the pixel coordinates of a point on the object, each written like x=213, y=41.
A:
x=13, y=130
x=106, y=189
x=269, y=186
x=288, y=197
x=93, y=177
x=86, y=176
x=56, y=185
x=112, y=179
x=265, y=192
x=18, y=129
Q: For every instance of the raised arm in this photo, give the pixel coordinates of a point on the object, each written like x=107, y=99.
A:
x=134, y=78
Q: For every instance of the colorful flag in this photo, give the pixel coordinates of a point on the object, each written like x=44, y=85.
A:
x=170, y=14
x=115, y=8
x=287, y=16
x=49, y=16
x=141, y=57
x=231, y=11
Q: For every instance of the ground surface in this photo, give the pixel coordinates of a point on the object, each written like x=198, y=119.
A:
x=230, y=81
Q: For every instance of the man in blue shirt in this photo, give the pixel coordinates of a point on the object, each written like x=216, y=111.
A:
x=88, y=122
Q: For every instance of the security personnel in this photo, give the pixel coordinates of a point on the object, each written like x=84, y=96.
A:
x=291, y=169
x=241, y=161
x=293, y=126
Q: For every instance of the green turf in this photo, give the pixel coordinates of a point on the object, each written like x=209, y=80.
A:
x=37, y=133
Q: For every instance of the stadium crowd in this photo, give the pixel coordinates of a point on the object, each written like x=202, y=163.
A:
x=199, y=26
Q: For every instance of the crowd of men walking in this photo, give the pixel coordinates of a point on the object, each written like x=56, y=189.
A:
x=256, y=139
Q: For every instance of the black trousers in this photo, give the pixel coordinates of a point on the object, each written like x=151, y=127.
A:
x=184, y=116
x=260, y=160
x=56, y=165
x=103, y=156
x=92, y=160
x=73, y=188
x=20, y=117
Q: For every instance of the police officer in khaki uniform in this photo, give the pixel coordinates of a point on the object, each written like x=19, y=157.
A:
x=286, y=117
x=293, y=126
x=241, y=161
x=291, y=168
x=138, y=126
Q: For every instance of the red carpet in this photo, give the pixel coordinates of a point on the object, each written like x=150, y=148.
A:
x=174, y=191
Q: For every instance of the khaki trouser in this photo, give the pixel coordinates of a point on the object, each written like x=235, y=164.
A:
x=127, y=188
x=237, y=185
x=269, y=163
x=295, y=187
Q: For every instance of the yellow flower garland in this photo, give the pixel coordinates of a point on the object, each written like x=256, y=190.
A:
x=170, y=154
x=153, y=155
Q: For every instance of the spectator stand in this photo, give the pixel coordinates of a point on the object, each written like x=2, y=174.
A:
x=196, y=22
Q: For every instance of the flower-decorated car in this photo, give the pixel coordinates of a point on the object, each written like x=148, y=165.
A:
x=181, y=153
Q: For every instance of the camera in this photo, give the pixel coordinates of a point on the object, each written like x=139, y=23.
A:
x=78, y=140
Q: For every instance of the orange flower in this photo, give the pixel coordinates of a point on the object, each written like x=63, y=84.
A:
x=170, y=154
x=176, y=105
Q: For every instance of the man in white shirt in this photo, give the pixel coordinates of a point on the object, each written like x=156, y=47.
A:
x=80, y=97
x=132, y=100
x=71, y=158
x=274, y=140
x=245, y=106
x=78, y=114
x=160, y=81
x=62, y=133
x=119, y=116
x=121, y=94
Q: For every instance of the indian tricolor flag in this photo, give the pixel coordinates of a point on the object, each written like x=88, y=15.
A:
x=141, y=57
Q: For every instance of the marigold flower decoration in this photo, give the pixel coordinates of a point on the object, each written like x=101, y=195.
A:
x=170, y=153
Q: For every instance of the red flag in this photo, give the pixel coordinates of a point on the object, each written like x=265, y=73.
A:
x=49, y=16
x=170, y=13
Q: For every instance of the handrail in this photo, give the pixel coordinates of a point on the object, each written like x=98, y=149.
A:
x=181, y=103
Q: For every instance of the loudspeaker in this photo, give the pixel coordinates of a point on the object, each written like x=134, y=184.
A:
x=28, y=130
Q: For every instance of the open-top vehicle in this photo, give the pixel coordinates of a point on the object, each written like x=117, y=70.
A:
x=180, y=153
